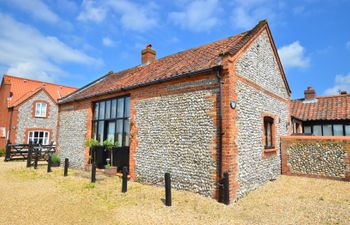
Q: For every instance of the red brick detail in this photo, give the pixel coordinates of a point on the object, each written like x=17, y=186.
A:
x=270, y=151
x=47, y=109
x=27, y=130
x=286, y=141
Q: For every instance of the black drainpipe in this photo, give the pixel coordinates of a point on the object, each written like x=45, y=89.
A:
x=218, y=75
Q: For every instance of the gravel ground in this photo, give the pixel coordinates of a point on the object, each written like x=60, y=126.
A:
x=29, y=196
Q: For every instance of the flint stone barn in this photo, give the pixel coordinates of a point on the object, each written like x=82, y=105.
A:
x=217, y=108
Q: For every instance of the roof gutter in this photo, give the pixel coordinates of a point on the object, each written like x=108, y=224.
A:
x=212, y=69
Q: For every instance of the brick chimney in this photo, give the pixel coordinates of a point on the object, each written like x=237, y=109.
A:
x=310, y=93
x=148, y=55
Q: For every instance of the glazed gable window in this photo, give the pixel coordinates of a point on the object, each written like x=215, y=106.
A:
x=38, y=137
x=112, y=120
x=40, y=109
x=268, y=132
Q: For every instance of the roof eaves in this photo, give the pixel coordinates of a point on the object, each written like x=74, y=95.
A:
x=214, y=68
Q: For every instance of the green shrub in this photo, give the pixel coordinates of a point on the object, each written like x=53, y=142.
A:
x=55, y=158
x=2, y=152
x=91, y=143
x=109, y=144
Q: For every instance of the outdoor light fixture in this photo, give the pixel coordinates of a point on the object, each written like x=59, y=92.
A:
x=233, y=104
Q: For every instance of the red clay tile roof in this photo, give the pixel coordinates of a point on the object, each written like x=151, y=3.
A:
x=23, y=88
x=170, y=67
x=324, y=108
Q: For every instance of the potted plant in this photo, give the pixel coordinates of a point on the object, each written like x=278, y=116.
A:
x=92, y=144
x=109, y=168
x=55, y=160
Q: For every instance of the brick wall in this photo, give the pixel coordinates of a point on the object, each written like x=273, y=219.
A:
x=4, y=112
x=314, y=156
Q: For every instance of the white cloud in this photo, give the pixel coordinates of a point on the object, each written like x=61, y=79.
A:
x=293, y=55
x=132, y=16
x=92, y=11
x=347, y=44
x=106, y=41
x=37, y=9
x=199, y=15
x=246, y=14
x=341, y=83
x=25, y=51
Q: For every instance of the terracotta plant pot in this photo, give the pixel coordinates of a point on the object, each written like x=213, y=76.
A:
x=112, y=171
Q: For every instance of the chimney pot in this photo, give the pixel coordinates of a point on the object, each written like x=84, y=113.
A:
x=309, y=93
x=148, y=55
x=343, y=92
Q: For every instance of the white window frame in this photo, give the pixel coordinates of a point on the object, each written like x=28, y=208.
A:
x=45, y=138
x=3, y=132
x=40, y=110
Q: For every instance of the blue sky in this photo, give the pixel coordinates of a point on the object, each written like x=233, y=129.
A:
x=75, y=42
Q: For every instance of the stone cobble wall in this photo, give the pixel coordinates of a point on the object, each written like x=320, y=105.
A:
x=259, y=65
x=253, y=169
x=316, y=157
x=175, y=134
x=27, y=121
x=72, y=133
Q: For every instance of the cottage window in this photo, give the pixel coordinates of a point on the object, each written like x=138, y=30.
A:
x=38, y=137
x=40, y=109
x=111, y=120
x=347, y=130
x=317, y=130
x=327, y=130
x=268, y=132
x=338, y=130
x=307, y=130
x=2, y=132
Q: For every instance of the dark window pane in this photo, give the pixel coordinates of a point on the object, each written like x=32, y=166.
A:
x=327, y=130
x=102, y=111
x=119, y=133
x=347, y=130
x=100, y=131
x=120, y=113
x=114, y=108
x=126, y=132
x=268, y=124
x=317, y=130
x=96, y=111
x=127, y=107
x=307, y=130
x=338, y=129
x=108, y=109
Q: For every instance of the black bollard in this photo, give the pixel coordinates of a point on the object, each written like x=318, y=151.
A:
x=125, y=180
x=93, y=173
x=49, y=164
x=66, y=165
x=36, y=159
x=29, y=156
x=167, y=189
x=8, y=151
x=226, y=189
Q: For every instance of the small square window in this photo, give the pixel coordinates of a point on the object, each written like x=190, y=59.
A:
x=40, y=109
